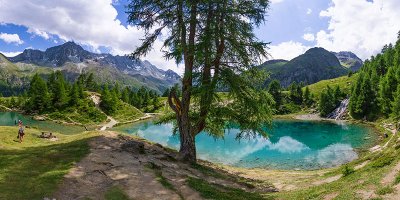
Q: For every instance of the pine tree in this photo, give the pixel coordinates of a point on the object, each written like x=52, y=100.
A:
x=308, y=99
x=338, y=95
x=125, y=95
x=108, y=101
x=74, y=95
x=275, y=90
x=116, y=90
x=166, y=92
x=296, y=93
x=38, y=95
x=396, y=105
x=13, y=103
x=388, y=86
x=59, y=92
x=327, y=102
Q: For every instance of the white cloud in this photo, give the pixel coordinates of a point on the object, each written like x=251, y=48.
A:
x=309, y=37
x=10, y=54
x=287, y=50
x=276, y=1
x=38, y=32
x=288, y=145
x=362, y=27
x=11, y=38
x=93, y=23
x=309, y=11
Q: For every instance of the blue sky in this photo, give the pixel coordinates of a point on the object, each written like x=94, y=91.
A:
x=292, y=26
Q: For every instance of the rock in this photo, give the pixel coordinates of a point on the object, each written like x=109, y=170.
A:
x=133, y=146
x=39, y=118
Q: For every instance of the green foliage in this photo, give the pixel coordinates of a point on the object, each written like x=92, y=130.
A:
x=363, y=100
x=347, y=170
x=396, y=105
x=125, y=112
x=308, y=97
x=397, y=179
x=329, y=100
x=39, y=97
x=108, y=100
x=375, y=91
x=382, y=161
x=74, y=107
x=216, y=42
x=388, y=86
x=295, y=93
x=314, y=65
x=385, y=190
x=275, y=90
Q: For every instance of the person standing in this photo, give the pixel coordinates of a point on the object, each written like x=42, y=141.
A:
x=21, y=134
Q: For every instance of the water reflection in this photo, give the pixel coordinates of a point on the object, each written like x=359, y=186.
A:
x=292, y=144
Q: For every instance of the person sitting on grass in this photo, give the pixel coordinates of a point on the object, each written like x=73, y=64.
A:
x=21, y=134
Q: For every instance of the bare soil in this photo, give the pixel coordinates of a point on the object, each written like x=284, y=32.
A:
x=137, y=173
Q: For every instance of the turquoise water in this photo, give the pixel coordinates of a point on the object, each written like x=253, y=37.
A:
x=9, y=119
x=291, y=144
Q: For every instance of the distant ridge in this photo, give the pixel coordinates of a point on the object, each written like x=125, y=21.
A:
x=74, y=60
x=314, y=65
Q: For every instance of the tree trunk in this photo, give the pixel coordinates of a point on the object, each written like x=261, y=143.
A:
x=187, y=151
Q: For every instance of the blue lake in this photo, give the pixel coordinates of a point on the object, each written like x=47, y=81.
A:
x=10, y=118
x=291, y=144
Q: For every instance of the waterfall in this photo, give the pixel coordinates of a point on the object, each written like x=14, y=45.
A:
x=340, y=111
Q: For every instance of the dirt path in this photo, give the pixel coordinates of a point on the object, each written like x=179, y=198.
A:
x=137, y=173
x=110, y=124
x=390, y=176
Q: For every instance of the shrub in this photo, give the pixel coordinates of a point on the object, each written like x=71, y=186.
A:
x=347, y=170
x=385, y=190
x=382, y=161
x=397, y=180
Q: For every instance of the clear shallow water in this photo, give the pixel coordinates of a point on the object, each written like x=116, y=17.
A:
x=9, y=119
x=291, y=144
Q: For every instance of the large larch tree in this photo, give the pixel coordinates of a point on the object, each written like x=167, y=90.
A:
x=214, y=41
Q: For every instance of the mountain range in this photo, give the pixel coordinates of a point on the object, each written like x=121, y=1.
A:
x=314, y=65
x=73, y=60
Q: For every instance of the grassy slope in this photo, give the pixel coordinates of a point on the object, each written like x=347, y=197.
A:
x=126, y=113
x=33, y=169
x=344, y=82
x=367, y=178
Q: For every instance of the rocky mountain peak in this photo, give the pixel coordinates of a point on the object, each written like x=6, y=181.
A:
x=349, y=60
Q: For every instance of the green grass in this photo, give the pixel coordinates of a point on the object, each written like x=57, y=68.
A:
x=115, y=193
x=397, y=179
x=126, y=113
x=219, y=192
x=344, y=82
x=385, y=190
x=347, y=170
x=363, y=179
x=33, y=169
x=164, y=181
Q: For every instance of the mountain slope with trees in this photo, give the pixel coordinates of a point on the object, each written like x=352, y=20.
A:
x=375, y=92
x=73, y=60
x=314, y=65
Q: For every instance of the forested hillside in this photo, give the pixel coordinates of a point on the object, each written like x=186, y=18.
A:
x=314, y=65
x=377, y=89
